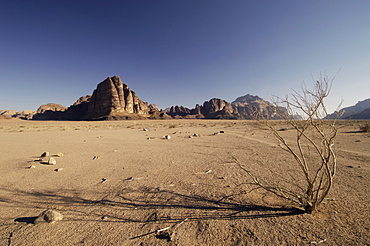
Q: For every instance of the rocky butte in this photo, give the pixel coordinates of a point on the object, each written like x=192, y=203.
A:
x=111, y=100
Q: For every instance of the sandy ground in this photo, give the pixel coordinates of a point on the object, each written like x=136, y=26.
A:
x=116, y=187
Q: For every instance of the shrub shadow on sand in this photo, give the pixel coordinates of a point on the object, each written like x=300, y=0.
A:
x=143, y=205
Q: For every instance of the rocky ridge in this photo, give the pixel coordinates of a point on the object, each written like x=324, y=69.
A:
x=114, y=100
x=242, y=108
x=25, y=114
x=111, y=100
x=358, y=111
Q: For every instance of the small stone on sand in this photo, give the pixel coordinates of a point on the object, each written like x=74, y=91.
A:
x=50, y=216
x=45, y=154
x=52, y=161
x=44, y=160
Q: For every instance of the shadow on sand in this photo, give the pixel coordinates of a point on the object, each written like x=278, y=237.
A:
x=138, y=205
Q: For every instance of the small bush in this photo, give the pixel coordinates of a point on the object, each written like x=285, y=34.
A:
x=365, y=128
x=172, y=126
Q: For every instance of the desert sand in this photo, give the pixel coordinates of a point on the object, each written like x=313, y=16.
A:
x=113, y=186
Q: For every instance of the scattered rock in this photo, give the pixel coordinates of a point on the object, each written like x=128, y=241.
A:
x=95, y=157
x=167, y=137
x=145, y=130
x=164, y=235
x=58, y=169
x=49, y=161
x=357, y=141
x=32, y=166
x=59, y=155
x=349, y=166
x=103, y=180
x=52, y=161
x=222, y=132
x=50, y=216
x=45, y=154
x=206, y=172
x=44, y=160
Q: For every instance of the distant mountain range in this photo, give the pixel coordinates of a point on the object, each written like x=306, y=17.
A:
x=242, y=108
x=114, y=100
x=360, y=111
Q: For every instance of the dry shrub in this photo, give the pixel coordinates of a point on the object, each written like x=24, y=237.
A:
x=365, y=128
x=311, y=150
x=172, y=125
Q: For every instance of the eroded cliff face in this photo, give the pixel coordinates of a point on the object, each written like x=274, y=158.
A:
x=114, y=98
x=248, y=106
x=50, y=111
x=25, y=114
x=111, y=100
x=217, y=108
x=244, y=107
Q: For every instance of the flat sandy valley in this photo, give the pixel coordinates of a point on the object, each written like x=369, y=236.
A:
x=115, y=187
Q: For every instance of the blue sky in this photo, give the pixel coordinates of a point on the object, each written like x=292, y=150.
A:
x=182, y=52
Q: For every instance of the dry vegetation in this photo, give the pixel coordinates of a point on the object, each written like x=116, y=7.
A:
x=312, y=149
x=365, y=127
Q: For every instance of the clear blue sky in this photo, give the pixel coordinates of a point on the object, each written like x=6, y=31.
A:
x=181, y=51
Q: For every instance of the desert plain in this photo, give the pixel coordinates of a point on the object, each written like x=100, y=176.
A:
x=124, y=183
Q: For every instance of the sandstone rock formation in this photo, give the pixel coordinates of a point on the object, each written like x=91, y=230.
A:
x=111, y=100
x=217, y=108
x=178, y=111
x=50, y=111
x=25, y=114
x=78, y=110
x=50, y=107
x=246, y=106
x=114, y=100
x=242, y=108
